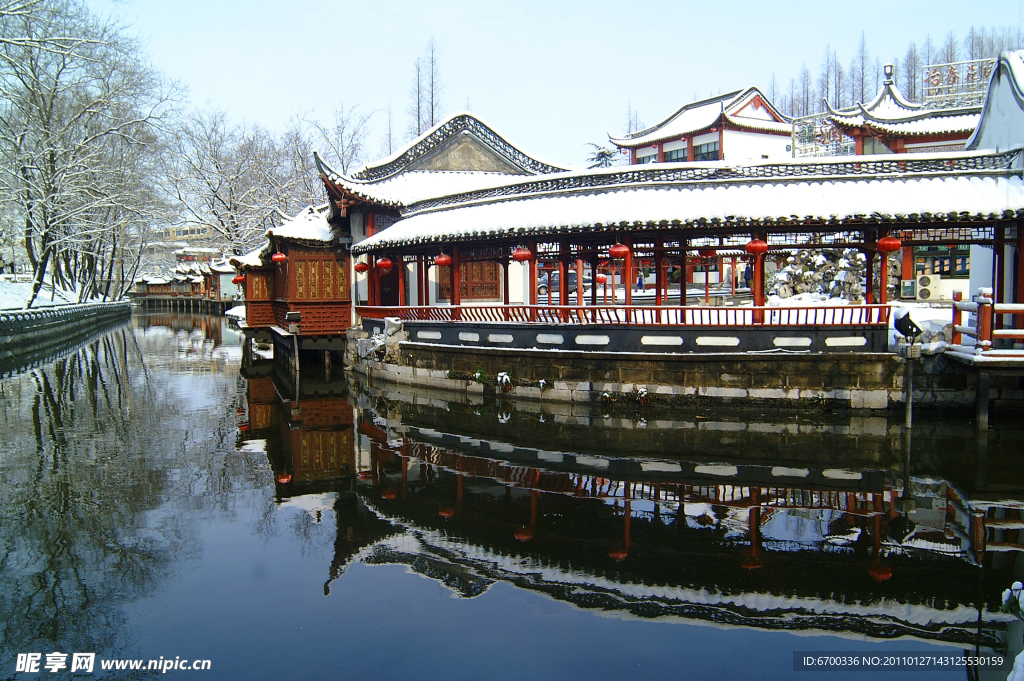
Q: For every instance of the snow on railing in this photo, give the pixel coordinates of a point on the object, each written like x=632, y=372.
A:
x=984, y=308
x=619, y=315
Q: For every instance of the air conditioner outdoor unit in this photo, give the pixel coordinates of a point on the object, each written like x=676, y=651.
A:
x=929, y=287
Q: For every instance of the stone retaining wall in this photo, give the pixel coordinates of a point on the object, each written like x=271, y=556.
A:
x=29, y=334
x=862, y=381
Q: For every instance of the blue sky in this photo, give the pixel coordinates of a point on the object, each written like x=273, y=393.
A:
x=551, y=76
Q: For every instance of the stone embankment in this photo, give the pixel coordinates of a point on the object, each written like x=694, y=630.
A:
x=28, y=335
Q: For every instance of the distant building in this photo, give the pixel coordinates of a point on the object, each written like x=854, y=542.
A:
x=737, y=126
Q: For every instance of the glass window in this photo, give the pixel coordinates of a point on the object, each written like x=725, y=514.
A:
x=647, y=159
x=706, y=152
x=675, y=155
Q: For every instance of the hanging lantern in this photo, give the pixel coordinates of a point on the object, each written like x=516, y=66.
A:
x=361, y=267
x=752, y=563
x=619, y=251
x=284, y=478
x=601, y=279
x=521, y=254
x=879, y=571
x=443, y=260
x=618, y=551
x=279, y=258
x=446, y=512
x=756, y=247
x=888, y=244
x=384, y=265
x=238, y=279
x=524, y=533
x=707, y=252
x=389, y=493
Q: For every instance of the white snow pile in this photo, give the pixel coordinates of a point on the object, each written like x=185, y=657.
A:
x=828, y=274
x=805, y=300
x=237, y=312
x=13, y=295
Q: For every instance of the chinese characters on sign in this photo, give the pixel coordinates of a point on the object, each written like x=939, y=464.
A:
x=956, y=84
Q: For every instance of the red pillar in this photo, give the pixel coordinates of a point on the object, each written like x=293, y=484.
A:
x=627, y=270
x=579, y=282
x=400, y=265
x=504, y=285
x=1020, y=273
x=1000, y=270
x=532, y=283
x=659, y=276
x=909, y=271
x=883, y=278
x=563, y=274
x=456, y=282
x=682, y=256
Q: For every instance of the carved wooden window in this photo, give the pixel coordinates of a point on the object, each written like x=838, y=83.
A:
x=258, y=286
x=321, y=279
x=478, y=280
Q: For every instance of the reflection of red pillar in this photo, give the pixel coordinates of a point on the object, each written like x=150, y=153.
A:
x=458, y=493
x=405, y=471
x=625, y=525
x=878, y=570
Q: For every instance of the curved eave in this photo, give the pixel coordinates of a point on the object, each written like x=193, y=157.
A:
x=640, y=143
x=343, y=188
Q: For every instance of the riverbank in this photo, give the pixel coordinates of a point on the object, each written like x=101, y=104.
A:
x=28, y=336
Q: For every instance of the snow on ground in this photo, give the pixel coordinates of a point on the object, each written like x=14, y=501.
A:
x=238, y=312
x=13, y=295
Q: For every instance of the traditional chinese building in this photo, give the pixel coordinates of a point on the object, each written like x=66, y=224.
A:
x=737, y=126
x=890, y=123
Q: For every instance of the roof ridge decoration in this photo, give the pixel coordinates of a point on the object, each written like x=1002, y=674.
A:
x=864, y=167
x=999, y=126
x=458, y=123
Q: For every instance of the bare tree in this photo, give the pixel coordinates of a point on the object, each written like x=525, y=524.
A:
x=346, y=137
x=387, y=146
x=79, y=120
x=949, y=52
x=229, y=181
x=911, y=72
x=633, y=122
x=859, y=71
x=417, y=102
x=434, y=86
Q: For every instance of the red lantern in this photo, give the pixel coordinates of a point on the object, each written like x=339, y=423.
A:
x=238, y=279
x=279, y=258
x=757, y=247
x=524, y=533
x=521, y=254
x=361, y=267
x=600, y=279
x=879, y=572
x=888, y=244
x=384, y=265
x=443, y=260
x=446, y=512
x=284, y=478
x=752, y=563
x=389, y=493
x=618, y=552
x=706, y=252
x=619, y=251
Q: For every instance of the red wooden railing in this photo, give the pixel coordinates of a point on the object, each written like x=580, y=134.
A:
x=984, y=309
x=615, y=315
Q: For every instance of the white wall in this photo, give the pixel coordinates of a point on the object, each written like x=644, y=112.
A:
x=753, y=146
x=981, y=269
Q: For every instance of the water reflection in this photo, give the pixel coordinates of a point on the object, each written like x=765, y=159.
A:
x=94, y=464
x=826, y=524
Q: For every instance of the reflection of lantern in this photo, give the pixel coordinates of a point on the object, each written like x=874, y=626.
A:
x=361, y=267
x=524, y=533
x=243, y=427
x=443, y=260
x=521, y=254
x=365, y=475
x=446, y=512
x=888, y=244
x=600, y=279
x=879, y=571
x=279, y=258
x=238, y=279
x=284, y=478
x=706, y=252
x=618, y=551
x=619, y=251
x=757, y=247
x=384, y=265
x=389, y=493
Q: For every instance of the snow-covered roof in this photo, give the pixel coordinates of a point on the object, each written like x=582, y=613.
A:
x=928, y=187
x=747, y=108
x=253, y=258
x=1002, y=117
x=413, y=174
x=890, y=113
x=458, y=123
x=310, y=224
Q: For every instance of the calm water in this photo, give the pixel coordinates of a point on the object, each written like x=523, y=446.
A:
x=159, y=498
